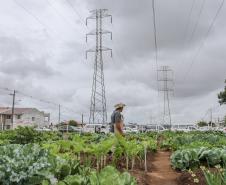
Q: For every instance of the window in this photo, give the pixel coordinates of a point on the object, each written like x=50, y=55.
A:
x=18, y=116
x=33, y=118
x=8, y=116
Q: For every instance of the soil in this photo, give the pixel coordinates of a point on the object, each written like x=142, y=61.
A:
x=161, y=172
x=187, y=179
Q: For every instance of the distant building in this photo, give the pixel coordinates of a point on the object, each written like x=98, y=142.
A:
x=23, y=117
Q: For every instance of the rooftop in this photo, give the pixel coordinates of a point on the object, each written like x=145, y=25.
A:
x=17, y=111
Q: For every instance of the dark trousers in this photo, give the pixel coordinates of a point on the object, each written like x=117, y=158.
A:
x=112, y=130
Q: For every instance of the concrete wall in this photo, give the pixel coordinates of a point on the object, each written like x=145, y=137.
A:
x=33, y=117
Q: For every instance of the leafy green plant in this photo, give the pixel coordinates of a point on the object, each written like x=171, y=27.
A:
x=25, y=135
x=183, y=140
x=109, y=175
x=183, y=159
x=24, y=164
x=212, y=156
x=190, y=158
x=215, y=178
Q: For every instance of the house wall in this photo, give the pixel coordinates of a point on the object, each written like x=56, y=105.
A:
x=26, y=119
x=1, y=122
x=5, y=122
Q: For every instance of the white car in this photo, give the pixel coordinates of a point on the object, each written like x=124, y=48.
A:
x=95, y=128
x=204, y=129
x=184, y=128
x=43, y=129
x=156, y=128
x=221, y=129
x=130, y=130
x=69, y=128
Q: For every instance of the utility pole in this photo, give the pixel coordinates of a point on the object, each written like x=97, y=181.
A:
x=211, y=117
x=59, y=109
x=13, y=107
x=151, y=117
x=82, y=120
x=98, y=112
x=166, y=85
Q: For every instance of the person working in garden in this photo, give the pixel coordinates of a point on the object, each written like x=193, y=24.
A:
x=117, y=119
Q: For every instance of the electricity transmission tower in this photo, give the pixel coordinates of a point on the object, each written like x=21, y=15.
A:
x=166, y=84
x=98, y=112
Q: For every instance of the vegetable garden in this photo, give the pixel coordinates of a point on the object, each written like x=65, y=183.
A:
x=34, y=158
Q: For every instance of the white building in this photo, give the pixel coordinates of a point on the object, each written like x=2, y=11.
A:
x=23, y=117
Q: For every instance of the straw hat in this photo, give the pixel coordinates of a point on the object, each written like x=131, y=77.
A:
x=119, y=105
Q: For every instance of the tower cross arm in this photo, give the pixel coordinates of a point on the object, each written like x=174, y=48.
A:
x=93, y=32
x=101, y=49
x=90, y=17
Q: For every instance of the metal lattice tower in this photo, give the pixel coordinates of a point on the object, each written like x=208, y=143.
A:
x=98, y=112
x=166, y=84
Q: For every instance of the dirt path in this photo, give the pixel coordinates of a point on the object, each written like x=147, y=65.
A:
x=161, y=171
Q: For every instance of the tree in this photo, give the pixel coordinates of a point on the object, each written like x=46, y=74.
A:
x=202, y=124
x=224, y=121
x=212, y=124
x=222, y=96
x=73, y=123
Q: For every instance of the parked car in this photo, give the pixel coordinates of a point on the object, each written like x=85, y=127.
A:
x=43, y=129
x=95, y=128
x=69, y=128
x=192, y=128
x=184, y=128
x=222, y=129
x=204, y=129
x=134, y=128
x=130, y=130
x=157, y=128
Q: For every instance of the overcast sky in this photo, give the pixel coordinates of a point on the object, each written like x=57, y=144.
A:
x=42, y=54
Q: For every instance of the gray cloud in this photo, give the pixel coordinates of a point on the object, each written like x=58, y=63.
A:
x=47, y=60
x=15, y=60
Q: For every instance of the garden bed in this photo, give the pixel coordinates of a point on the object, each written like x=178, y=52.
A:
x=149, y=157
x=186, y=178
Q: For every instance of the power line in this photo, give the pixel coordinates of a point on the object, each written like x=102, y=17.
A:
x=46, y=28
x=189, y=21
x=195, y=26
x=58, y=12
x=204, y=40
x=76, y=12
x=33, y=15
x=188, y=40
x=155, y=35
x=197, y=22
x=30, y=13
x=39, y=99
x=156, y=49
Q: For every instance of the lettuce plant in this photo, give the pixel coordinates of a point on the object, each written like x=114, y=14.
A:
x=189, y=158
x=24, y=164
